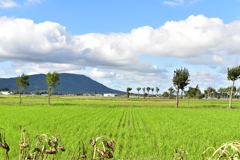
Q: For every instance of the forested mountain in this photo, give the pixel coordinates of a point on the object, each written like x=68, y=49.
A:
x=69, y=83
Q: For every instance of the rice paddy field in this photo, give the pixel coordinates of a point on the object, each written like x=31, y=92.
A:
x=143, y=129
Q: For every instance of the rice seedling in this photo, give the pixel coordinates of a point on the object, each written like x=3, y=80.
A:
x=79, y=152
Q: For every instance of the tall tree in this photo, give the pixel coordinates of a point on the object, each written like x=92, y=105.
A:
x=157, y=90
x=22, y=82
x=138, y=89
x=152, y=89
x=143, y=89
x=128, y=90
x=233, y=75
x=180, y=81
x=51, y=81
x=148, y=89
x=144, y=95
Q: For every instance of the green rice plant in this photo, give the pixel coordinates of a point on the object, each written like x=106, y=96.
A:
x=3, y=143
x=103, y=146
x=228, y=151
x=81, y=151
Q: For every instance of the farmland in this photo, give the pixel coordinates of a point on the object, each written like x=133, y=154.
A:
x=142, y=128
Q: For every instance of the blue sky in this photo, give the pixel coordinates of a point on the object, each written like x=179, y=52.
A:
x=122, y=43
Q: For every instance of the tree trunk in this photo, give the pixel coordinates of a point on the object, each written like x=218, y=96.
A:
x=177, y=98
x=49, y=99
x=230, y=98
x=20, y=98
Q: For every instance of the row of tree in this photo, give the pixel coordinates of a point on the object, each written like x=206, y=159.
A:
x=51, y=80
x=181, y=79
x=144, y=89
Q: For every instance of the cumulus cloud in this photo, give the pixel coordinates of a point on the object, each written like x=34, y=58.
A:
x=8, y=4
x=40, y=47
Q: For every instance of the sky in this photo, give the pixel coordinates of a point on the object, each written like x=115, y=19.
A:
x=122, y=43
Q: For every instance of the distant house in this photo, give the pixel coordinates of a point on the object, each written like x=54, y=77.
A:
x=5, y=92
x=109, y=95
x=87, y=94
x=98, y=95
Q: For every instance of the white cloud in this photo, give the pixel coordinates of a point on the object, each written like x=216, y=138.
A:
x=28, y=2
x=206, y=79
x=180, y=2
x=194, y=1
x=8, y=4
x=170, y=3
x=48, y=46
x=197, y=36
x=205, y=60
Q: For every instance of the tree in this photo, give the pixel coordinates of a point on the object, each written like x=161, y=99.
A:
x=5, y=89
x=51, y=81
x=138, y=89
x=157, y=90
x=180, y=81
x=193, y=93
x=221, y=91
x=238, y=91
x=165, y=94
x=128, y=90
x=148, y=89
x=233, y=75
x=211, y=91
x=22, y=82
x=171, y=91
x=144, y=95
x=143, y=89
x=152, y=89
x=95, y=93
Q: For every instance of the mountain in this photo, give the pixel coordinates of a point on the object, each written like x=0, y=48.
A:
x=69, y=83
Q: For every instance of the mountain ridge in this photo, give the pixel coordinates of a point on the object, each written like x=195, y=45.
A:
x=69, y=83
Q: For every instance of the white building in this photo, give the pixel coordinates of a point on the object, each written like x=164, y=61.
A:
x=5, y=92
x=109, y=95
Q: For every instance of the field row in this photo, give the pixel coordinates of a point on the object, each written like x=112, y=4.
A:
x=140, y=132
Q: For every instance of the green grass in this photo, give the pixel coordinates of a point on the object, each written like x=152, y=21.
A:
x=142, y=128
